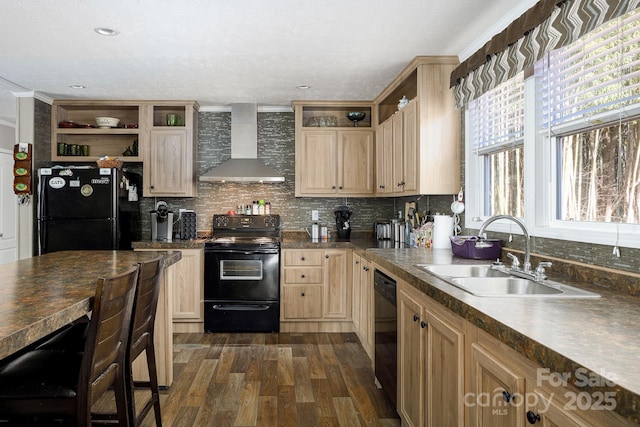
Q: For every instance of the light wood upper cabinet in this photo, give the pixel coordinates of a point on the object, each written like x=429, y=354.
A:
x=384, y=158
x=396, y=160
x=167, y=152
x=431, y=127
x=333, y=157
x=316, y=162
x=170, y=157
x=355, y=162
x=330, y=163
x=75, y=136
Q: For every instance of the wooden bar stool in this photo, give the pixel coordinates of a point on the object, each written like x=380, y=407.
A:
x=141, y=338
x=44, y=385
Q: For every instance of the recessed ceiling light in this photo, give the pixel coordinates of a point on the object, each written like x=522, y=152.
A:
x=303, y=87
x=103, y=31
x=77, y=86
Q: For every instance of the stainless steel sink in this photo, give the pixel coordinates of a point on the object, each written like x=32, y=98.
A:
x=483, y=281
x=462, y=270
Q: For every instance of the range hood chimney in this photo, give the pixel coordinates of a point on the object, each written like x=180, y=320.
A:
x=244, y=165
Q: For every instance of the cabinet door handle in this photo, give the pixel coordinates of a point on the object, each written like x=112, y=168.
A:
x=357, y=262
x=532, y=417
x=302, y=258
x=302, y=294
x=340, y=188
x=415, y=318
x=381, y=187
x=333, y=187
x=423, y=324
x=506, y=396
x=365, y=268
x=326, y=256
x=302, y=276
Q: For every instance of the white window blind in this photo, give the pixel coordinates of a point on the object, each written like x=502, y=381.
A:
x=498, y=117
x=593, y=77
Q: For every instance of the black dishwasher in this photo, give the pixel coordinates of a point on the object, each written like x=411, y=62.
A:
x=386, y=334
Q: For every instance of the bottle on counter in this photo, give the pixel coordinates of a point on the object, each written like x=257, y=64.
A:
x=248, y=210
x=255, y=208
x=261, y=207
x=267, y=208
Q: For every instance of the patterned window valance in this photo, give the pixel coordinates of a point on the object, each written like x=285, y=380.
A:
x=566, y=21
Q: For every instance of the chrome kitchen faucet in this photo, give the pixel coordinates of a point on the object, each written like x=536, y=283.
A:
x=539, y=274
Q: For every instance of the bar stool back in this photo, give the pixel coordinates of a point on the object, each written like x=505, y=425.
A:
x=141, y=339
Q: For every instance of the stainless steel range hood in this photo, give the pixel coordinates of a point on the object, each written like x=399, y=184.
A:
x=244, y=165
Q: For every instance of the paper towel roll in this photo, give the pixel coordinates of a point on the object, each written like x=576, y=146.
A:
x=442, y=229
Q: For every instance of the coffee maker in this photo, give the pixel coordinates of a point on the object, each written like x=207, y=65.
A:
x=162, y=223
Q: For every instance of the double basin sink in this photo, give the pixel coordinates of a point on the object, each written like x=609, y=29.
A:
x=485, y=280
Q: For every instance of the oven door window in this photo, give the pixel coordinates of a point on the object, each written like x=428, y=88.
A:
x=241, y=269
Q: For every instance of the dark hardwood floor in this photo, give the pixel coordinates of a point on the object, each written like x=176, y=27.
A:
x=253, y=379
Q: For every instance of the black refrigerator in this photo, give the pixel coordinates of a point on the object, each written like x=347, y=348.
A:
x=83, y=208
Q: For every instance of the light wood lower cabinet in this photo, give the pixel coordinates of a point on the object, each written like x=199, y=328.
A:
x=316, y=290
x=430, y=361
x=362, y=307
x=498, y=390
x=187, y=302
x=188, y=293
x=163, y=334
x=504, y=388
x=451, y=373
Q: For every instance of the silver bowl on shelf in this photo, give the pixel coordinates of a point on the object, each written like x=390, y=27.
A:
x=355, y=117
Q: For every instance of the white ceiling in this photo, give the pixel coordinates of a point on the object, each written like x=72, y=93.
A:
x=223, y=51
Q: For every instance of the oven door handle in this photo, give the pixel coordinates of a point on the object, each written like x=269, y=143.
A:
x=244, y=307
x=240, y=251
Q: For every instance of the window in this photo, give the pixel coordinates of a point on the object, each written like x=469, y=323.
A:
x=497, y=121
x=599, y=173
x=573, y=172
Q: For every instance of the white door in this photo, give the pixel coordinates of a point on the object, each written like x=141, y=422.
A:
x=8, y=210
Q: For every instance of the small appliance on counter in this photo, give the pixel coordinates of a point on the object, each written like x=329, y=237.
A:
x=162, y=223
x=382, y=229
x=186, y=228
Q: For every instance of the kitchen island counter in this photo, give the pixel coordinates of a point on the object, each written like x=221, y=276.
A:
x=39, y=295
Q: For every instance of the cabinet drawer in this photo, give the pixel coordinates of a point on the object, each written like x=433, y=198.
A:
x=302, y=275
x=302, y=302
x=303, y=258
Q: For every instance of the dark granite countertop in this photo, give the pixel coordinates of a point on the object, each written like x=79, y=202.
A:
x=563, y=335
x=42, y=294
x=176, y=244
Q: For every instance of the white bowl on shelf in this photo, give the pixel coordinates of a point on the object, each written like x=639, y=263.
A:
x=107, y=122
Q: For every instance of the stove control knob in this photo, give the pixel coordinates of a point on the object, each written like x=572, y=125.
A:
x=270, y=221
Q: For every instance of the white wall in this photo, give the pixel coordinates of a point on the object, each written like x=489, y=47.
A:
x=7, y=137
